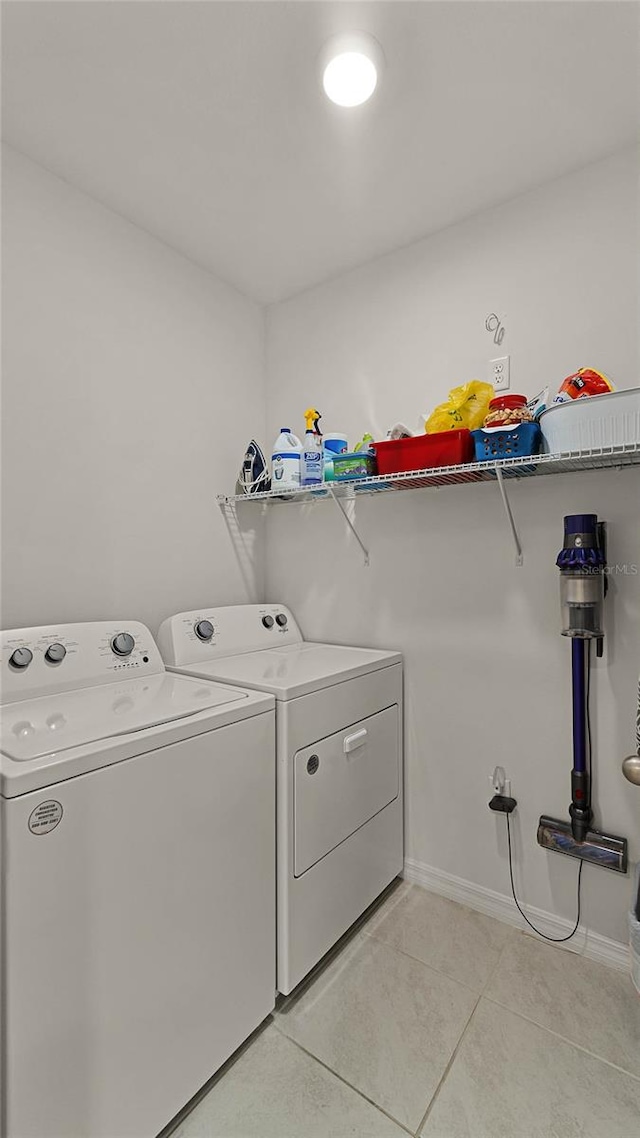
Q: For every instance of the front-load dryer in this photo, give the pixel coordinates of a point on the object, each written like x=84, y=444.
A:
x=339, y=764
x=138, y=880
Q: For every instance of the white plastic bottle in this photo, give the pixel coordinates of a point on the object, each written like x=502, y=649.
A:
x=285, y=461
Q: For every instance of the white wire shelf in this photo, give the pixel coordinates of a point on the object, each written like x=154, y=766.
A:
x=435, y=477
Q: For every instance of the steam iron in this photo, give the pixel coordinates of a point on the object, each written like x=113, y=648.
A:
x=254, y=472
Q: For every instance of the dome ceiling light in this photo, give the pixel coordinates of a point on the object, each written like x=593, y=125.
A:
x=350, y=66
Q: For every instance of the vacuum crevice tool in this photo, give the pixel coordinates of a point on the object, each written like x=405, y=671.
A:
x=581, y=562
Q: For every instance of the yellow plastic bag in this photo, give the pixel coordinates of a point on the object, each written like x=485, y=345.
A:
x=466, y=406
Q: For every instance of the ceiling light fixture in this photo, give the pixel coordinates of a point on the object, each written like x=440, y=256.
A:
x=350, y=66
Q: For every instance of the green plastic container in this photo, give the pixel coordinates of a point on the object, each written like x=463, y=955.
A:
x=354, y=464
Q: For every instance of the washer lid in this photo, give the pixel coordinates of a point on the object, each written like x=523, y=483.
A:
x=34, y=728
x=294, y=669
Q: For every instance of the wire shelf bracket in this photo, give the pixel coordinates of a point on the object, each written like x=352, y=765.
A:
x=365, y=551
x=508, y=511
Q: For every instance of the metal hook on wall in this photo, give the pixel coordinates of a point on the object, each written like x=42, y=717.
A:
x=494, y=324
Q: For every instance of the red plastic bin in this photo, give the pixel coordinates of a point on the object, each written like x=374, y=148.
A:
x=446, y=448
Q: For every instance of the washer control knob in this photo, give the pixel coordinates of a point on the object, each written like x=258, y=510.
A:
x=123, y=644
x=267, y=621
x=281, y=620
x=21, y=658
x=23, y=729
x=203, y=629
x=55, y=653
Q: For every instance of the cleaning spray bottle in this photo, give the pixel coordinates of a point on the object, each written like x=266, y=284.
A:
x=312, y=464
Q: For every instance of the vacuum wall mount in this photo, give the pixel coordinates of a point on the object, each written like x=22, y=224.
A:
x=582, y=562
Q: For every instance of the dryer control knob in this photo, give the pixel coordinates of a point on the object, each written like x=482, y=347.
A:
x=203, y=629
x=21, y=658
x=267, y=621
x=55, y=653
x=123, y=644
x=281, y=619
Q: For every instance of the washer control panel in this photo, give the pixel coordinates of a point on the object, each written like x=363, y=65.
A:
x=39, y=661
x=190, y=637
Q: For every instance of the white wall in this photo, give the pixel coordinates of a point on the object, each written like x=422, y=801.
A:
x=487, y=672
x=132, y=381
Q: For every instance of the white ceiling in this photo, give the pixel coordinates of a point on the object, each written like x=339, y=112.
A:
x=204, y=122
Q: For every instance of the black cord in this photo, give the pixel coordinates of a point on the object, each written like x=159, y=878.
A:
x=554, y=939
x=560, y=939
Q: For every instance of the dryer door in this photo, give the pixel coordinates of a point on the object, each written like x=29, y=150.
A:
x=341, y=782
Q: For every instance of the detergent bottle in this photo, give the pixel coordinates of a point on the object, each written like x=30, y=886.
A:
x=312, y=466
x=285, y=461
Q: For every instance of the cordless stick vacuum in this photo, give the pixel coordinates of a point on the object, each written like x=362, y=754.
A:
x=582, y=563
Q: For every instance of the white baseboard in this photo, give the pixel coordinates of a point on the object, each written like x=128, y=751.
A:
x=586, y=943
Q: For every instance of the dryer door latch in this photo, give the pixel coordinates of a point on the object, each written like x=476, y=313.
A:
x=358, y=739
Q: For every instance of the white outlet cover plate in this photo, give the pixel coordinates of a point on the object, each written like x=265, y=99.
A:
x=499, y=373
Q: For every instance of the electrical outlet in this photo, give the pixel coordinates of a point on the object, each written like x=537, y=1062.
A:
x=499, y=374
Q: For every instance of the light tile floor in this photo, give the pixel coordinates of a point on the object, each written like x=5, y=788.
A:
x=433, y=1020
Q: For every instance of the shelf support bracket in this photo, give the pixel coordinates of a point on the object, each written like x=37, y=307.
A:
x=350, y=524
x=510, y=519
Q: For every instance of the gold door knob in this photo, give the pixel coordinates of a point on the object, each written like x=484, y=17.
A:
x=631, y=768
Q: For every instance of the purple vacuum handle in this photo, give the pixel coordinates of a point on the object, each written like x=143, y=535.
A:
x=580, y=808
x=579, y=705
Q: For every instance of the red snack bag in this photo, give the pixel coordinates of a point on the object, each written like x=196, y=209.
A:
x=582, y=383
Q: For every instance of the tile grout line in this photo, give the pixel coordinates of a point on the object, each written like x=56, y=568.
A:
x=527, y=1019
x=440, y=1085
x=446, y=1071
x=431, y=967
x=564, y=1039
x=345, y=1082
x=403, y=951
x=497, y=963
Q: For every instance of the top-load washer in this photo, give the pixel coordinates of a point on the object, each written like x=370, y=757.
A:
x=339, y=764
x=138, y=880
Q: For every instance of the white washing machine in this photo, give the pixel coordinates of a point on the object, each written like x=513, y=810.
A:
x=339, y=764
x=138, y=880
